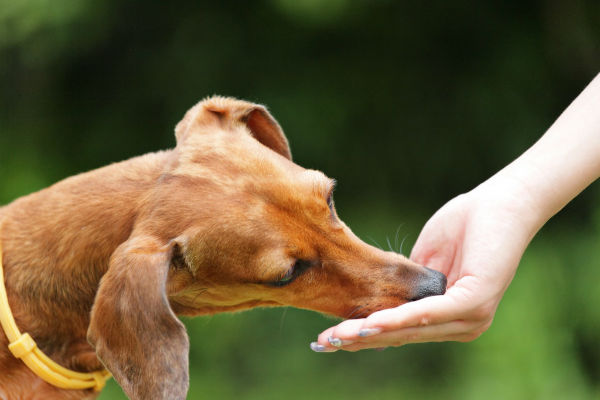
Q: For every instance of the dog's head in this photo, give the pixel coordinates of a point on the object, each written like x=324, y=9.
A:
x=232, y=224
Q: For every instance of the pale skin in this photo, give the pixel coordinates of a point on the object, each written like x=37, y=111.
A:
x=478, y=238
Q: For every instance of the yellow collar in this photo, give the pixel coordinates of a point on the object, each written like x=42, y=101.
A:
x=23, y=346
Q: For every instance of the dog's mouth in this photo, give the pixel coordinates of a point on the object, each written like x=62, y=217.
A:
x=361, y=311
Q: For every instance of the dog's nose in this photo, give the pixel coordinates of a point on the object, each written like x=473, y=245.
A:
x=432, y=283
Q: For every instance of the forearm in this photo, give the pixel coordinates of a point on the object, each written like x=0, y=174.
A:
x=560, y=165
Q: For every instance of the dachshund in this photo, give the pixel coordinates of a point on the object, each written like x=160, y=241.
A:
x=98, y=266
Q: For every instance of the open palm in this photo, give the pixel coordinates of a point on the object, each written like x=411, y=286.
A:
x=476, y=240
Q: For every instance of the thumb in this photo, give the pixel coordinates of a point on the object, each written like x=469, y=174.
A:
x=428, y=245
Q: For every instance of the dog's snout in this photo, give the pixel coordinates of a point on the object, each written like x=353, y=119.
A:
x=431, y=283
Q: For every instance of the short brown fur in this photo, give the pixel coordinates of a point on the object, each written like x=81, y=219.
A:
x=112, y=255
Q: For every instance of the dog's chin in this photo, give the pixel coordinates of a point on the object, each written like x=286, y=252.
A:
x=198, y=309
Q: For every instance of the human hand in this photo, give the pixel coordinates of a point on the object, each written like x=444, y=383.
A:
x=476, y=240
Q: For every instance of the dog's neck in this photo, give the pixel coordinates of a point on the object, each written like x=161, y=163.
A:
x=54, y=306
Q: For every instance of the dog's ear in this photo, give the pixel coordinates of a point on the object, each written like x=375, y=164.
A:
x=133, y=328
x=226, y=111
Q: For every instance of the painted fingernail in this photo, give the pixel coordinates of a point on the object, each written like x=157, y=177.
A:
x=369, y=332
x=337, y=342
x=319, y=348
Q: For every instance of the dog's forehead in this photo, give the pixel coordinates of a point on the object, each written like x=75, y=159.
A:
x=219, y=149
x=318, y=181
x=237, y=168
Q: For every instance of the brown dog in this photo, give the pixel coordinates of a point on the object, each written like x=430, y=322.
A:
x=223, y=222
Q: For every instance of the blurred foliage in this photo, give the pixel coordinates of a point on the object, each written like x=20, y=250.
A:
x=406, y=104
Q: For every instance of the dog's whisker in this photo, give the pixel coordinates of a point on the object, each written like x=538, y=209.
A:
x=396, y=236
x=207, y=320
x=200, y=292
x=282, y=319
x=375, y=242
x=402, y=243
x=389, y=244
x=354, y=312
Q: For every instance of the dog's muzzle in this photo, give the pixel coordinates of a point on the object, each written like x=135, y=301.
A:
x=433, y=283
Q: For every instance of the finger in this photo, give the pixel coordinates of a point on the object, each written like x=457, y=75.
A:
x=433, y=310
x=451, y=331
x=382, y=345
x=432, y=333
x=348, y=329
x=429, y=242
x=341, y=334
x=322, y=338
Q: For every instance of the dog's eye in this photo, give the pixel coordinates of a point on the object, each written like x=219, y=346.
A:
x=330, y=199
x=298, y=268
x=289, y=275
x=330, y=203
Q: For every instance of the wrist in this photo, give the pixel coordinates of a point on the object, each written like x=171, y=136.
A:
x=513, y=195
x=557, y=168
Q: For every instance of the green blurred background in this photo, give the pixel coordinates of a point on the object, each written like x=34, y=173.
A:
x=406, y=104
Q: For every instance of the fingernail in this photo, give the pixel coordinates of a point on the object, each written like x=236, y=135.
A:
x=319, y=348
x=337, y=342
x=369, y=332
